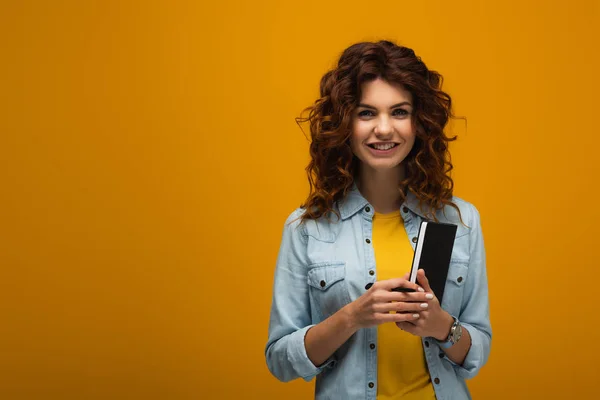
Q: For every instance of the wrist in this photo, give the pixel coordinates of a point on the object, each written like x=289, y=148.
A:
x=349, y=317
x=445, y=327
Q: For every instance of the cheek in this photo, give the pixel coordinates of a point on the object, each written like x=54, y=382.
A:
x=352, y=141
x=408, y=134
x=411, y=146
x=358, y=135
x=355, y=147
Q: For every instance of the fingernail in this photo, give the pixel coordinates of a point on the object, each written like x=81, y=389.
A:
x=424, y=305
x=429, y=296
x=421, y=289
x=415, y=316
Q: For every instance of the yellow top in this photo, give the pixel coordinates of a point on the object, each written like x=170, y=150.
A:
x=401, y=368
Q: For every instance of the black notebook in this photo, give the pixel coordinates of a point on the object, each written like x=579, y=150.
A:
x=432, y=254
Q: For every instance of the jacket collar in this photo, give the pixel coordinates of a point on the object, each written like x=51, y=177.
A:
x=354, y=201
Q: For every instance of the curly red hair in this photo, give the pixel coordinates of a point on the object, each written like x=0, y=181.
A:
x=332, y=168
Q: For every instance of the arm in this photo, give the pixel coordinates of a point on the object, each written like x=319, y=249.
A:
x=290, y=316
x=458, y=352
x=298, y=348
x=323, y=339
x=475, y=311
x=436, y=323
x=472, y=350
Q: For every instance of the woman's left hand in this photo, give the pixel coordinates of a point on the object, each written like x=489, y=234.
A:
x=434, y=321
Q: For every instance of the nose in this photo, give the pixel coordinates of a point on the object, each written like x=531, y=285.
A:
x=383, y=127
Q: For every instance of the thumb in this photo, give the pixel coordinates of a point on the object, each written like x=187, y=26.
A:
x=423, y=281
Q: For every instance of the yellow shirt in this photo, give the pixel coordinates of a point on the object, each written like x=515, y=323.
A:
x=401, y=368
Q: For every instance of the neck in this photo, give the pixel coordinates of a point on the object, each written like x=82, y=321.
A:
x=380, y=188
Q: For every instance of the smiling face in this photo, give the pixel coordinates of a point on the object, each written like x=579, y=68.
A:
x=382, y=129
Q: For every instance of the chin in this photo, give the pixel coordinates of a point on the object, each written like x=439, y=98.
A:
x=379, y=166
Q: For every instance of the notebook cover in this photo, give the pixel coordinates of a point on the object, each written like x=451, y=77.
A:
x=435, y=254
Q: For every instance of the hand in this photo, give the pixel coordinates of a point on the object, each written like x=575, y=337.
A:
x=373, y=307
x=434, y=321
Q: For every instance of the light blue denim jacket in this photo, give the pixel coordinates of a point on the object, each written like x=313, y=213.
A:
x=323, y=266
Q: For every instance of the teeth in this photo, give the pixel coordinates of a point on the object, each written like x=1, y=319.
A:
x=385, y=146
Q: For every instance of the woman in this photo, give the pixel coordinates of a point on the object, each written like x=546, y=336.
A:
x=379, y=166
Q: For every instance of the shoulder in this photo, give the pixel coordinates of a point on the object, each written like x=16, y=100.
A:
x=468, y=212
x=293, y=222
x=294, y=217
x=324, y=228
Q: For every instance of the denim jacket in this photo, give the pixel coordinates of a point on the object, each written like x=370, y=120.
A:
x=322, y=266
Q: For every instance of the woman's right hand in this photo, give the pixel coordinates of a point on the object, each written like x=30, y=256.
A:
x=375, y=307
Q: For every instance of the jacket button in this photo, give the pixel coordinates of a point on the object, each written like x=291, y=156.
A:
x=372, y=346
x=368, y=241
x=414, y=240
x=436, y=381
x=426, y=343
x=405, y=209
x=459, y=280
x=371, y=272
x=441, y=355
x=368, y=286
x=322, y=283
x=371, y=385
x=367, y=209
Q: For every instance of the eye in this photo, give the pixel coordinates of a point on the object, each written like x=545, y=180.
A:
x=400, y=112
x=366, y=113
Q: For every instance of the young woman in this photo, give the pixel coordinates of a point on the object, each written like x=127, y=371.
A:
x=379, y=166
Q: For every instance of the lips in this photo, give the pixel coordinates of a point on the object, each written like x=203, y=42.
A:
x=382, y=146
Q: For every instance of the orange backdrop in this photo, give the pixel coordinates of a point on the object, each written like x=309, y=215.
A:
x=149, y=157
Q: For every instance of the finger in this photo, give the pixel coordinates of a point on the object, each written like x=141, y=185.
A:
x=389, y=284
x=407, y=277
x=423, y=280
x=385, y=296
x=400, y=306
x=402, y=325
x=412, y=306
x=417, y=296
x=407, y=327
x=399, y=317
x=414, y=322
x=422, y=321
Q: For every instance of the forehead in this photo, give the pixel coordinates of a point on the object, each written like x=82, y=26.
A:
x=380, y=92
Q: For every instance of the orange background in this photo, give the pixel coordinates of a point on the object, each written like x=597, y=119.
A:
x=149, y=157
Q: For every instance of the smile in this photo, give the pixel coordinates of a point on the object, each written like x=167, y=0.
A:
x=382, y=146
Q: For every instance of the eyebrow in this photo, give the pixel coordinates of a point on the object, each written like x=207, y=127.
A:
x=404, y=103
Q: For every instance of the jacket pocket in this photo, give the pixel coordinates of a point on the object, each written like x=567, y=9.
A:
x=328, y=290
x=453, y=291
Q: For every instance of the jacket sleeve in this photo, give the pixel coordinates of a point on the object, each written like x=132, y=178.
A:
x=475, y=310
x=290, y=316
